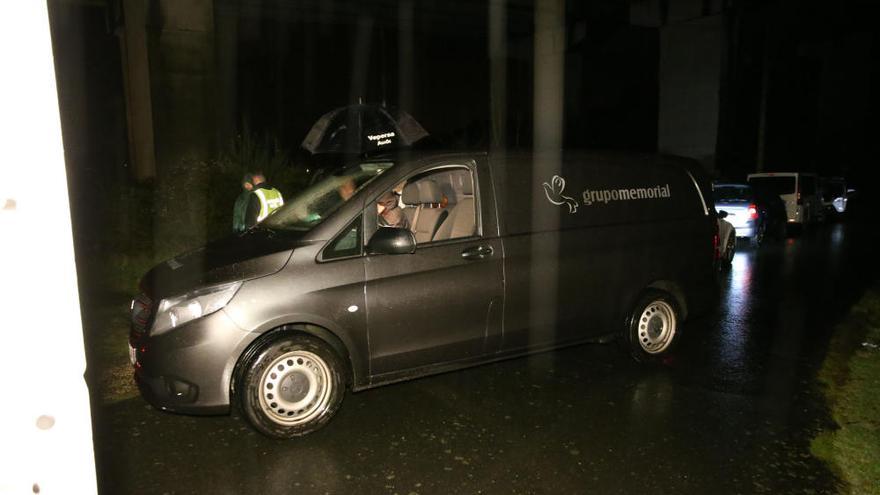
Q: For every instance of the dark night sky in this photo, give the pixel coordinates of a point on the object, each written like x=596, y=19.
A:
x=821, y=98
x=295, y=61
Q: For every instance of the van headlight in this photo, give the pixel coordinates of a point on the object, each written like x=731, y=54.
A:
x=175, y=311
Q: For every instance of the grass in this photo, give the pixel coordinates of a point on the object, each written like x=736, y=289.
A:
x=110, y=372
x=851, y=379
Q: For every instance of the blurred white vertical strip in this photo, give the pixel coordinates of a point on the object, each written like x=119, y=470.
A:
x=549, y=94
x=498, y=73
x=549, y=75
x=45, y=425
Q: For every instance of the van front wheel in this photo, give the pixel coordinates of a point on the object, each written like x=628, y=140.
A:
x=292, y=386
x=653, y=326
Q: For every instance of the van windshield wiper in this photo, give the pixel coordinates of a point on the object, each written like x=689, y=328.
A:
x=263, y=228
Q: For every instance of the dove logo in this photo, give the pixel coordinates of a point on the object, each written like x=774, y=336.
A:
x=554, y=191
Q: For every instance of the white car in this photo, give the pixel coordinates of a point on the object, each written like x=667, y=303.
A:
x=726, y=240
x=738, y=202
x=834, y=194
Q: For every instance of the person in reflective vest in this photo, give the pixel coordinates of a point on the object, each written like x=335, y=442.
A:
x=241, y=203
x=264, y=200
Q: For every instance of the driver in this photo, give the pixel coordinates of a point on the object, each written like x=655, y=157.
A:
x=390, y=214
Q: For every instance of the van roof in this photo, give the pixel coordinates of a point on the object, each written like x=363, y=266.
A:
x=777, y=174
x=607, y=156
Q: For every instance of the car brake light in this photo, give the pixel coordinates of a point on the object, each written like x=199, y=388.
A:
x=753, y=211
x=716, y=244
x=716, y=252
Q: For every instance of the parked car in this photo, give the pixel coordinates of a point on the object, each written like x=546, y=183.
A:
x=492, y=264
x=726, y=241
x=798, y=191
x=834, y=195
x=754, y=216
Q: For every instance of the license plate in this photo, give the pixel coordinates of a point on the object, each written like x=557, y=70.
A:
x=132, y=356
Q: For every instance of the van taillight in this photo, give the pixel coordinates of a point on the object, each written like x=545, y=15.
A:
x=753, y=211
x=799, y=200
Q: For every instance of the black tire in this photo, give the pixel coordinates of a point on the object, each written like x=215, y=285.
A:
x=656, y=313
x=730, y=252
x=781, y=231
x=291, y=386
x=758, y=239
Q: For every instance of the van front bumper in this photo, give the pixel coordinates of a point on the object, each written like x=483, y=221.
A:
x=188, y=369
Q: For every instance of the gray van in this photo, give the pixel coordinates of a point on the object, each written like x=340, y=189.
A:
x=488, y=257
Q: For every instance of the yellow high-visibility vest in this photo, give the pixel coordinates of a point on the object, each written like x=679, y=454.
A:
x=270, y=200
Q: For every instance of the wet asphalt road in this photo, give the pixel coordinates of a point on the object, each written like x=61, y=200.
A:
x=731, y=411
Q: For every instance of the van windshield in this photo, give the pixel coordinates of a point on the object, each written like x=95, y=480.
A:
x=318, y=201
x=773, y=185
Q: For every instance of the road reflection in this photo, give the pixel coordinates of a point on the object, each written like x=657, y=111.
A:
x=652, y=398
x=773, y=305
x=737, y=306
x=837, y=244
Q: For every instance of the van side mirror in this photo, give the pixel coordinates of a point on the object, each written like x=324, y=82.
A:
x=390, y=240
x=722, y=214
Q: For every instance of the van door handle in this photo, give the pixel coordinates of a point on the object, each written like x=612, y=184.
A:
x=477, y=252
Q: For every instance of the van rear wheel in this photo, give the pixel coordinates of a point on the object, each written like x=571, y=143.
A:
x=292, y=386
x=653, y=326
x=759, y=236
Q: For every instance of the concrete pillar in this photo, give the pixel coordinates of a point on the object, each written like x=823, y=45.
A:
x=169, y=68
x=136, y=74
x=184, y=83
x=171, y=92
x=689, y=79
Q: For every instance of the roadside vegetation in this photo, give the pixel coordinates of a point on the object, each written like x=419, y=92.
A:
x=109, y=370
x=137, y=225
x=190, y=203
x=851, y=379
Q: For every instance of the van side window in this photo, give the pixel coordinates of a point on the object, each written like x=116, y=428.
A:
x=347, y=243
x=436, y=205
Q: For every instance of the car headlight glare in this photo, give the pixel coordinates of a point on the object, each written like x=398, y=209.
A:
x=176, y=311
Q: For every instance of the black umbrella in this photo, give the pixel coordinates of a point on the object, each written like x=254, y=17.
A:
x=362, y=128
